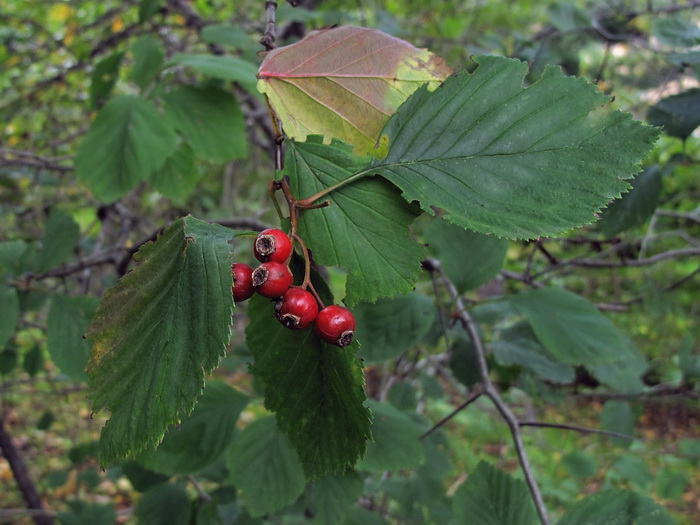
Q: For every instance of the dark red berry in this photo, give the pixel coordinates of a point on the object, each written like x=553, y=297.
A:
x=272, y=245
x=297, y=308
x=335, y=325
x=271, y=279
x=242, y=281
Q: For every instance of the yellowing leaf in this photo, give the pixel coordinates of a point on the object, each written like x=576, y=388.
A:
x=345, y=83
x=60, y=12
x=117, y=25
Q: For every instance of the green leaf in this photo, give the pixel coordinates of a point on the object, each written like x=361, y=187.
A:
x=9, y=357
x=519, y=346
x=464, y=362
x=630, y=467
x=148, y=59
x=616, y=507
x=678, y=114
x=580, y=464
x=689, y=59
x=332, y=497
x=391, y=326
x=512, y=161
x=687, y=362
x=265, y=468
x=671, y=484
x=46, y=420
x=617, y=416
x=690, y=447
x=492, y=497
x=178, y=176
x=83, y=513
x=403, y=396
x=575, y=332
x=11, y=253
x=211, y=120
x=104, y=78
x=158, y=332
x=568, y=18
x=148, y=8
x=33, y=361
x=164, y=504
x=202, y=437
x=140, y=477
x=365, y=229
x=67, y=321
x=10, y=313
x=623, y=373
x=223, y=67
x=229, y=35
x=675, y=31
x=315, y=389
x=396, y=443
x=60, y=239
x=468, y=258
x=635, y=207
x=126, y=143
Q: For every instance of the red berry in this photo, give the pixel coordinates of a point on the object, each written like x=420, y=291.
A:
x=271, y=279
x=272, y=245
x=335, y=325
x=297, y=309
x=242, y=282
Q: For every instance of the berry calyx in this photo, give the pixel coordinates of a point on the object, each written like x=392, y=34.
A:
x=272, y=245
x=335, y=325
x=271, y=279
x=297, y=309
x=242, y=282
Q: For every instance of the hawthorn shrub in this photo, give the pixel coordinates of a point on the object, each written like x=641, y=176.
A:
x=426, y=219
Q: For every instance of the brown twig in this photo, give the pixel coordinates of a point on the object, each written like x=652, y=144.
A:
x=268, y=38
x=24, y=481
x=583, y=430
x=451, y=414
x=489, y=389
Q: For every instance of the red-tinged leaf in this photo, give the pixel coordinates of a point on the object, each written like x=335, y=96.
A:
x=345, y=83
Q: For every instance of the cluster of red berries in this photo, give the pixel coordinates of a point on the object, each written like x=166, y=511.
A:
x=295, y=307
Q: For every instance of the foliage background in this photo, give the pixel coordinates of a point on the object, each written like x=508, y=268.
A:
x=61, y=248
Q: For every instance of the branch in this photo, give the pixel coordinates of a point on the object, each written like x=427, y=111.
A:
x=24, y=480
x=116, y=255
x=655, y=391
x=268, y=39
x=451, y=414
x=583, y=430
x=688, y=216
x=11, y=157
x=489, y=389
x=624, y=263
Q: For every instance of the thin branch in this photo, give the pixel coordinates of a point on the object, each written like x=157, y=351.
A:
x=268, y=39
x=688, y=216
x=451, y=414
x=203, y=494
x=14, y=514
x=19, y=158
x=489, y=389
x=625, y=263
x=655, y=391
x=24, y=481
x=117, y=254
x=583, y=430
